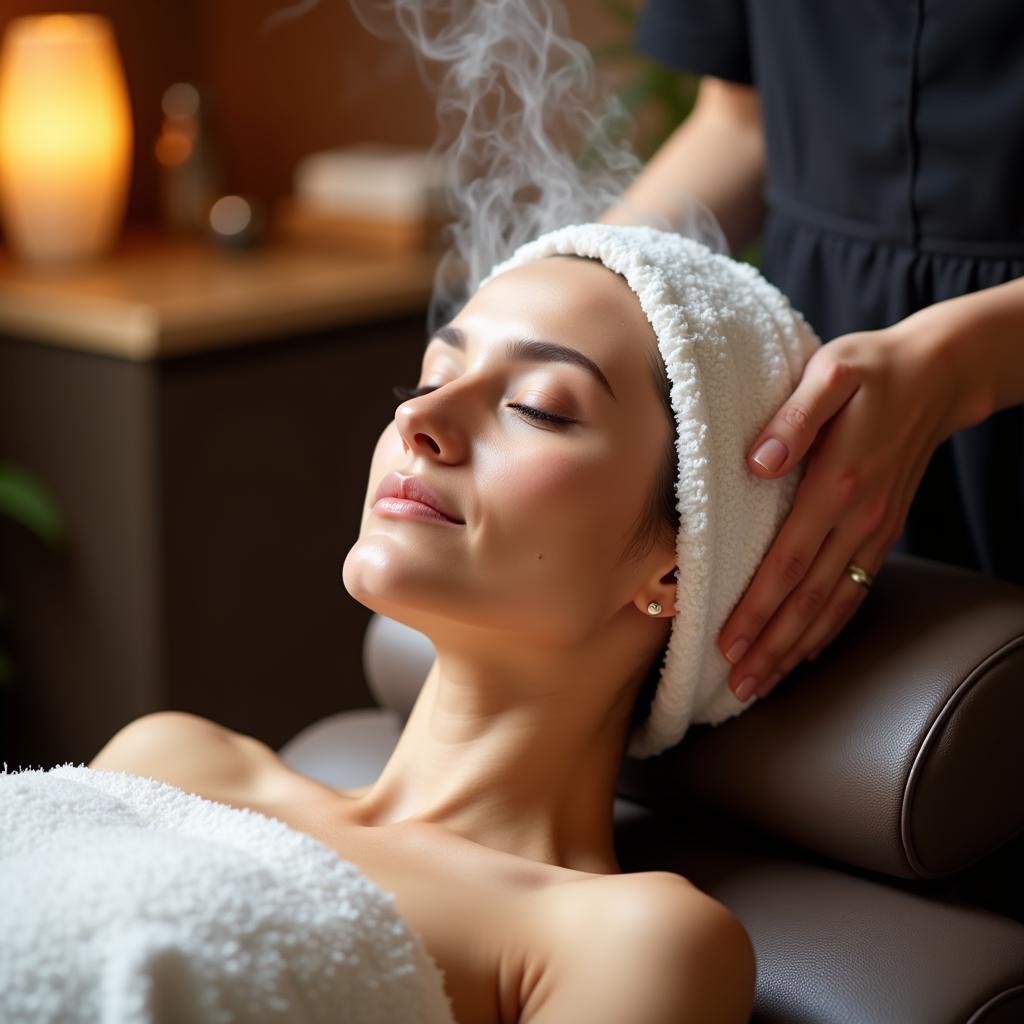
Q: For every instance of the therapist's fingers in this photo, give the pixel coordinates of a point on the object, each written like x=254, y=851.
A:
x=843, y=601
x=800, y=425
x=795, y=584
x=826, y=386
x=843, y=605
x=817, y=507
x=786, y=563
x=870, y=557
x=827, y=598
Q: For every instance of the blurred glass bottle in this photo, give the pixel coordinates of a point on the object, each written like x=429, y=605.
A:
x=191, y=172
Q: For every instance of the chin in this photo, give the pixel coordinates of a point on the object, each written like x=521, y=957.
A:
x=373, y=575
x=365, y=570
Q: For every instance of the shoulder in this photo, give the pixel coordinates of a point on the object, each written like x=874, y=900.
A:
x=665, y=909
x=639, y=900
x=187, y=751
x=647, y=947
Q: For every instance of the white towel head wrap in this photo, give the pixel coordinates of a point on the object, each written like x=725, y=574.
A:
x=735, y=350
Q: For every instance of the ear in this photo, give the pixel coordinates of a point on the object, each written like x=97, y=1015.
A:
x=663, y=590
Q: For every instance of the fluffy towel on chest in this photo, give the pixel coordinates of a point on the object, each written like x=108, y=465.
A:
x=129, y=900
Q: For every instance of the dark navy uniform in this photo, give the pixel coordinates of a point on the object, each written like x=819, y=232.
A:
x=894, y=132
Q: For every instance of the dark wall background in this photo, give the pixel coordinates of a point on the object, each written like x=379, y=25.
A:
x=188, y=543
x=303, y=84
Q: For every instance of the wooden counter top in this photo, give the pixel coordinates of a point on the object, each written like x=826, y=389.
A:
x=157, y=296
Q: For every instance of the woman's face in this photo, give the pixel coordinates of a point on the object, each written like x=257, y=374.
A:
x=548, y=507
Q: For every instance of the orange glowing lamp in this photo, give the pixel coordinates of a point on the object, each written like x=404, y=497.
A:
x=65, y=137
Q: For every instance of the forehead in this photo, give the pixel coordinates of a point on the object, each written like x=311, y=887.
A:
x=575, y=302
x=564, y=288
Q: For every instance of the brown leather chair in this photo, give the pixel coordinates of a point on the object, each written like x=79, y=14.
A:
x=865, y=822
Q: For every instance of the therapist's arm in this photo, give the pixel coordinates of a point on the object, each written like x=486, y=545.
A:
x=983, y=333
x=717, y=155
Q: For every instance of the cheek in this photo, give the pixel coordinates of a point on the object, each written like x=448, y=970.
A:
x=389, y=444
x=547, y=476
x=551, y=503
x=578, y=511
x=387, y=455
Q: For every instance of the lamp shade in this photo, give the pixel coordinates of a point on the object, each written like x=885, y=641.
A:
x=65, y=137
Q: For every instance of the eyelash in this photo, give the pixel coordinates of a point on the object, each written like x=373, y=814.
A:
x=405, y=393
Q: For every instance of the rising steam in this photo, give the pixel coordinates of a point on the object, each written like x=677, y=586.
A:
x=529, y=141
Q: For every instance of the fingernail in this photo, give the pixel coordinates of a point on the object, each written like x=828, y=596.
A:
x=746, y=688
x=736, y=651
x=771, y=454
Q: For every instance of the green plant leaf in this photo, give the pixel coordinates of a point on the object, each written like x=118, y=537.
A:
x=24, y=499
x=651, y=85
x=751, y=254
x=637, y=90
x=621, y=10
x=613, y=51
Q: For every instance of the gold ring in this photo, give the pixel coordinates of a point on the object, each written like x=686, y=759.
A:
x=860, y=575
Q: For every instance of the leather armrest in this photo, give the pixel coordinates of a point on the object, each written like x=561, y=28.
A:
x=898, y=750
x=837, y=946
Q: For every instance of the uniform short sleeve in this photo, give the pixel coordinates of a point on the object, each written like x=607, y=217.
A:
x=707, y=37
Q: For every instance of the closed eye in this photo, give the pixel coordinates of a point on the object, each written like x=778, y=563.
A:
x=405, y=393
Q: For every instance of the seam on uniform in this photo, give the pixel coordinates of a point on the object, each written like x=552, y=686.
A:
x=889, y=234
x=911, y=128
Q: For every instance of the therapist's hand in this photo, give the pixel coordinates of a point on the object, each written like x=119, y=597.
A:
x=869, y=411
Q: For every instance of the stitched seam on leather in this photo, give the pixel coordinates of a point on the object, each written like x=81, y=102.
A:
x=928, y=743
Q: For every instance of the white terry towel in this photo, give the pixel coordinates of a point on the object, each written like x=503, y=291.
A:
x=129, y=900
x=734, y=350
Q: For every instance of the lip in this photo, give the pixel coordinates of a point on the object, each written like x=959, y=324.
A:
x=414, y=489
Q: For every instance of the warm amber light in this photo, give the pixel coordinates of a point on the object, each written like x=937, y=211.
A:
x=65, y=136
x=172, y=148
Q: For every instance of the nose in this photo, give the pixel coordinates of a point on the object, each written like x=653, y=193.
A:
x=433, y=424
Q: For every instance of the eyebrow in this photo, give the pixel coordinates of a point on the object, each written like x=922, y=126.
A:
x=531, y=349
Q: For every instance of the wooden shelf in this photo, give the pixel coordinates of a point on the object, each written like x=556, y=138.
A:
x=157, y=296
x=209, y=501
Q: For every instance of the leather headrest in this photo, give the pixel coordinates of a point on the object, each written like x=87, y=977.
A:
x=897, y=750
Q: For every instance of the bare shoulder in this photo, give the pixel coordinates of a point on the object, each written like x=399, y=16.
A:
x=188, y=751
x=640, y=903
x=648, y=947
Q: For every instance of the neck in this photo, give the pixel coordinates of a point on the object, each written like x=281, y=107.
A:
x=526, y=765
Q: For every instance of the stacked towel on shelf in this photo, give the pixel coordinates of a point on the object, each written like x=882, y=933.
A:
x=128, y=900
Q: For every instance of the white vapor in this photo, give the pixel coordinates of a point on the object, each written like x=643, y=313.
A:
x=529, y=139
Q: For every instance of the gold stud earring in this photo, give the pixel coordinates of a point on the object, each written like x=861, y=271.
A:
x=654, y=608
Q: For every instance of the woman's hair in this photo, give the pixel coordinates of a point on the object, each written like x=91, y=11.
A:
x=661, y=513
x=659, y=516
